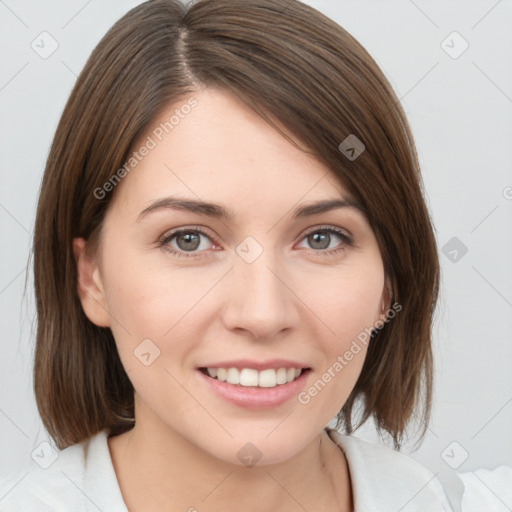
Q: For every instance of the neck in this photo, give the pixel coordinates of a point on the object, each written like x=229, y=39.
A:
x=157, y=467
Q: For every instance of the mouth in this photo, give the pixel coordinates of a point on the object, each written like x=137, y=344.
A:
x=250, y=377
x=271, y=385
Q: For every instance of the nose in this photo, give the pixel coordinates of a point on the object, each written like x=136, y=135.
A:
x=258, y=297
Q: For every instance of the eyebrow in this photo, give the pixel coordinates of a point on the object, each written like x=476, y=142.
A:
x=217, y=211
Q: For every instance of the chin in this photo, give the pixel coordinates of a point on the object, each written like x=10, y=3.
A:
x=257, y=450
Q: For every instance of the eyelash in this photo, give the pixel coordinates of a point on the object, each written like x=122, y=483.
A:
x=167, y=237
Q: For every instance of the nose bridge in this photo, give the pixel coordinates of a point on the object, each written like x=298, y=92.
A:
x=259, y=300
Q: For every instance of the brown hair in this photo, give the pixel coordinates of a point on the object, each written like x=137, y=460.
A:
x=288, y=62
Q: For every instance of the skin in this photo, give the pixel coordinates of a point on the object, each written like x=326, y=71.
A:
x=294, y=302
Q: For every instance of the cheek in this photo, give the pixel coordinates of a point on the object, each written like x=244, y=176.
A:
x=347, y=301
x=147, y=297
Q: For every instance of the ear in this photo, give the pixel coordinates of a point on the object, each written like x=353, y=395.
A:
x=385, y=301
x=387, y=294
x=89, y=286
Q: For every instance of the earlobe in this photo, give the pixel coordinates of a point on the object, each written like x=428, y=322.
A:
x=386, y=296
x=89, y=286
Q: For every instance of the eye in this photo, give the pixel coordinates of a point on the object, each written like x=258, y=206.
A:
x=188, y=240
x=321, y=238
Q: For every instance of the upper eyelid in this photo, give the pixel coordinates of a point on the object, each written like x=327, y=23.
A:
x=201, y=229
x=326, y=227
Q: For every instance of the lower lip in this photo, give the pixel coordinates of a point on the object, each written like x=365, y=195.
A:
x=252, y=397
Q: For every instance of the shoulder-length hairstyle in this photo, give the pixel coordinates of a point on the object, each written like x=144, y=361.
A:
x=289, y=63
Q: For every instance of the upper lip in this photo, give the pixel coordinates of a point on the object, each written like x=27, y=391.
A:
x=256, y=365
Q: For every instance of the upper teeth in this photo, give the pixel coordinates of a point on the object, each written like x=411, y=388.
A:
x=250, y=377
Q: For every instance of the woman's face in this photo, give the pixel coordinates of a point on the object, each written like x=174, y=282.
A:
x=252, y=292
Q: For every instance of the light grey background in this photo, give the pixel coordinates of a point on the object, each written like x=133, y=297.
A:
x=460, y=110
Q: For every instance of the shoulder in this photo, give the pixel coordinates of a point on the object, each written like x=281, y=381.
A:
x=384, y=479
x=50, y=482
x=56, y=480
x=487, y=489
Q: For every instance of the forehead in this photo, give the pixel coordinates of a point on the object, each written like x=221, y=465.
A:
x=223, y=151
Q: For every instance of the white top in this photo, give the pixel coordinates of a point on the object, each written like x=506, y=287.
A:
x=82, y=479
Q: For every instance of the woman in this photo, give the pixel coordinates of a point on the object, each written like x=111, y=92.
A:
x=231, y=248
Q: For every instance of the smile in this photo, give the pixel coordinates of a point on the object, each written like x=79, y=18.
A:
x=253, y=389
x=249, y=377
